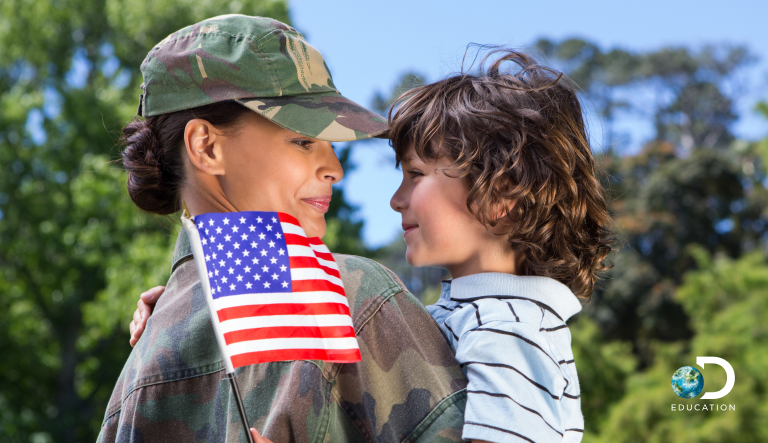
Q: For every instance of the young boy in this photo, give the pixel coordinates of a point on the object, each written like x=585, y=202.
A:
x=500, y=188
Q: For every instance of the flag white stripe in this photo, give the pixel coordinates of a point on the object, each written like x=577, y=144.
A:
x=290, y=228
x=321, y=248
x=278, y=298
x=303, y=251
x=314, y=274
x=267, y=321
x=272, y=344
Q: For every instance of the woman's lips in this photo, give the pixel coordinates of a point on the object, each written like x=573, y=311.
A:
x=409, y=228
x=319, y=203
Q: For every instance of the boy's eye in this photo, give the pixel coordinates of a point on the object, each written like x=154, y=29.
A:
x=414, y=173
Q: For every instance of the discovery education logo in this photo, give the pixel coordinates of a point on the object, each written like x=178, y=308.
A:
x=688, y=382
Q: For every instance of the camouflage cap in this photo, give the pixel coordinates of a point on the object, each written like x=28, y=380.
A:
x=262, y=64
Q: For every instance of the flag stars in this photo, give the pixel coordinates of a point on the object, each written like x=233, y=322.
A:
x=213, y=239
x=262, y=236
x=279, y=235
x=219, y=246
x=274, y=220
x=271, y=244
x=274, y=276
x=207, y=257
x=216, y=271
x=256, y=277
x=237, y=262
x=226, y=221
x=285, y=284
x=221, y=263
x=229, y=254
x=223, y=279
x=248, y=286
x=244, y=237
x=265, y=268
x=269, y=227
x=210, y=222
x=234, y=229
x=239, y=278
x=218, y=230
x=242, y=220
x=214, y=256
x=255, y=261
x=252, y=228
x=213, y=290
x=205, y=241
x=232, y=287
x=263, y=252
x=227, y=237
x=207, y=232
x=210, y=274
x=231, y=271
x=247, y=269
x=273, y=260
x=258, y=219
x=281, y=251
x=201, y=225
x=246, y=253
x=283, y=268
x=236, y=245
x=254, y=244
x=266, y=284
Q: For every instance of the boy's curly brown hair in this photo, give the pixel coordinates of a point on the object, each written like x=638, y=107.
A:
x=517, y=137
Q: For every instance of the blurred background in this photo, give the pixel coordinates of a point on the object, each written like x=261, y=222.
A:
x=676, y=94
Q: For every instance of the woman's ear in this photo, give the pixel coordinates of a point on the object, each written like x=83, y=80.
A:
x=203, y=145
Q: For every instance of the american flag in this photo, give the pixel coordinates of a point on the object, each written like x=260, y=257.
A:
x=274, y=294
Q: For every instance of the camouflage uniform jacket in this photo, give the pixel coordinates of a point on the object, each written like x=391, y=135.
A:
x=408, y=386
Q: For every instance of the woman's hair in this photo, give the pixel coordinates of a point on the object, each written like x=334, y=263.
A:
x=153, y=150
x=521, y=137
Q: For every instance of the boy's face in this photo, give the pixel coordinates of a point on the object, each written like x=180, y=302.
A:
x=439, y=229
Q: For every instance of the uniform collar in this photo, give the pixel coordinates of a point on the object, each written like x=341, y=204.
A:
x=183, y=250
x=544, y=291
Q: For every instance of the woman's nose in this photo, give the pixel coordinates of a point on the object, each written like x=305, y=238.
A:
x=331, y=169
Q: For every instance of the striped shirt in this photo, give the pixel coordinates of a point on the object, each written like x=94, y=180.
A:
x=511, y=340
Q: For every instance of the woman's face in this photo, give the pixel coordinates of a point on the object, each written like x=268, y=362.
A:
x=268, y=168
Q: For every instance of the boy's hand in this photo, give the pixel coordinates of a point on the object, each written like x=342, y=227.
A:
x=257, y=438
x=145, y=305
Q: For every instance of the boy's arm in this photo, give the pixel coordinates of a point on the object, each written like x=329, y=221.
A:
x=146, y=305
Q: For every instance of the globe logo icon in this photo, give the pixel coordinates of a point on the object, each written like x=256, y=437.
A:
x=687, y=382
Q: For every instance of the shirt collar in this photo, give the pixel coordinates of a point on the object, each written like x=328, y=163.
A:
x=183, y=250
x=541, y=290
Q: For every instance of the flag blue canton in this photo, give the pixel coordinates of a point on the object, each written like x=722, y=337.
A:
x=245, y=253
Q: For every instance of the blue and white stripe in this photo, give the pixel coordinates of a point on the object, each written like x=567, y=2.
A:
x=511, y=340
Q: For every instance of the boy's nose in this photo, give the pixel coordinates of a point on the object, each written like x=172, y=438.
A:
x=398, y=202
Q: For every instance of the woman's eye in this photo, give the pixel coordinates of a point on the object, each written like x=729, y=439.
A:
x=306, y=144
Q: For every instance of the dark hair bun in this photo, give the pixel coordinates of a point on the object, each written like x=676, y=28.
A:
x=153, y=172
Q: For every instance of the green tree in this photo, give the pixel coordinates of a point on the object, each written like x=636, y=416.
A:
x=74, y=252
x=726, y=300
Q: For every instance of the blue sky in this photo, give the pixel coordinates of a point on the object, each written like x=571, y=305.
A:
x=368, y=45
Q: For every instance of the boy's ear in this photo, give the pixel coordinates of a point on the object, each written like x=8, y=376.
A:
x=203, y=146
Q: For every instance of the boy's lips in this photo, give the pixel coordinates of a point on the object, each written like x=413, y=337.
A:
x=319, y=203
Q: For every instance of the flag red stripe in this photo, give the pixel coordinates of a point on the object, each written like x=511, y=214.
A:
x=289, y=332
x=286, y=218
x=311, y=262
x=295, y=239
x=330, y=355
x=282, y=309
x=324, y=256
x=316, y=285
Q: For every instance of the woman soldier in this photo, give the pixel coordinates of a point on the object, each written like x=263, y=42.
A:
x=238, y=115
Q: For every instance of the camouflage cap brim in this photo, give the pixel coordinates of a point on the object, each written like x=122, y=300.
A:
x=325, y=116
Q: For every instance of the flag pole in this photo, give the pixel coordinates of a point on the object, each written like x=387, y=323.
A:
x=194, y=239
